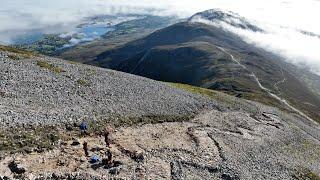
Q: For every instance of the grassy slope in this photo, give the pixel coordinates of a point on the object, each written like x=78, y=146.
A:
x=230, y=101
x=20, y=52
x=184, y=65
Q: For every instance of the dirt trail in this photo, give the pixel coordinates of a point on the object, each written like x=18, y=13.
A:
x=268, y=90
x=276, y=85
x=140, y=61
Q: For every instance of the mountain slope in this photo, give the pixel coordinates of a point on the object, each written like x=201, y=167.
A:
x=122, y=33
x=156, y=130
x=201, y=54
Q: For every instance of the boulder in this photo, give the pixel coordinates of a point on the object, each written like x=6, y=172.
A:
x=16, y=168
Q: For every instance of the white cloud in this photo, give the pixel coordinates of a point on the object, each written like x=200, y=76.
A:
x=296, y=47
x=281, y=19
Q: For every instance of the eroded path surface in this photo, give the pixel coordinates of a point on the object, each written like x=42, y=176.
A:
x=213, y=145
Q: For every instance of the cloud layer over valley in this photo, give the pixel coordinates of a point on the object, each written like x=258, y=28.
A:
x=291, y=26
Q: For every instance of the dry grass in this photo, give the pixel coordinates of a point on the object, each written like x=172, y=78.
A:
x=51, y=67
x=305, y=174
x=83, y=82
x=20, y=53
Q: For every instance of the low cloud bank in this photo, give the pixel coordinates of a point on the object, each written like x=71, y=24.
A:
x=291, y=26
x=296, y=46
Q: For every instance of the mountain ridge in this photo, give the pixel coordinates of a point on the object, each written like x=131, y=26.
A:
x=195, y=36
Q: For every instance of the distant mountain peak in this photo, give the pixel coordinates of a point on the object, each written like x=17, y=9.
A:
x=218, y=16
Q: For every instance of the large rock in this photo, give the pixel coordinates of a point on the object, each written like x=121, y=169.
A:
x=16, y=168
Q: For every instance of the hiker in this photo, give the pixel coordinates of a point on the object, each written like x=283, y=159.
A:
x=108, y=160
x=85, y=148
x=109, y=156
x=84, y=127
x=106, y=138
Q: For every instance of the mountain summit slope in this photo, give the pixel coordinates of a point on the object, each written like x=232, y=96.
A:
x=217, y=16
x=156, y=130
x=206, y=55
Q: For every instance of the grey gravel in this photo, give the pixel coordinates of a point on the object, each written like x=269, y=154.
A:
x=34, y=95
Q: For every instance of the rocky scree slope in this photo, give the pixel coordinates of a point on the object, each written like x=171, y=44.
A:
x=43, y=90
x=224, y=138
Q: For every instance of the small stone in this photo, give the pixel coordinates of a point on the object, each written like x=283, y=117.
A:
x=54, y=176
x=117, y=163
x=5, y=178
x=39, y=150
x=64, y=143
x=61, y=162
x=75, y=142
x=28, y=150
x=138, y=157
x=69, y=128
x=114, y=171
x=96, y=148
x=83, y=159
